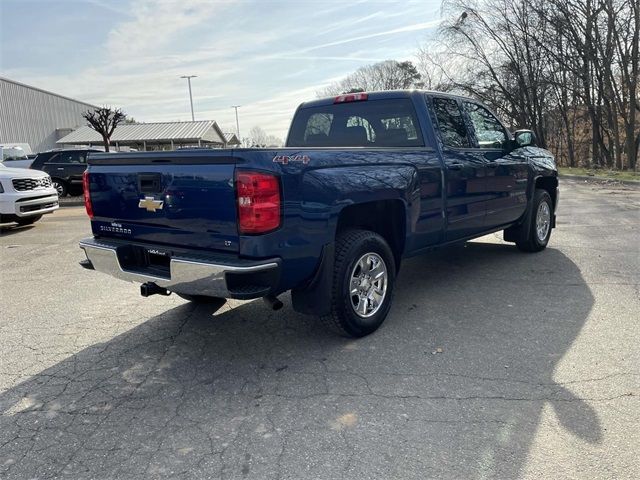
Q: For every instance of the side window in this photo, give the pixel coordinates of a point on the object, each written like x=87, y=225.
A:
x=50, y=159
x=71, y=157
x=488, y=129
x=450, y=122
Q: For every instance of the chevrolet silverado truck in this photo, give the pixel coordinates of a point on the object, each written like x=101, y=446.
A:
x=365, y=181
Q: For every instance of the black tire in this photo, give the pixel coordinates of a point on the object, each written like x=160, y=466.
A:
x=61, y=187
x=352, y=246
x=28, y=220
x=534, y=243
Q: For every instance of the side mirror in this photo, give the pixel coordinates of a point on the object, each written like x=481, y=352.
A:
x=524, y=138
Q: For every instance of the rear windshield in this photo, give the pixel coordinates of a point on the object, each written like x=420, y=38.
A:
x=13, y=153
x=372, y=123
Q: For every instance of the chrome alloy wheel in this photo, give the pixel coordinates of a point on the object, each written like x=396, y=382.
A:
x=368, y=285
x=59, y=187
x=543, y=221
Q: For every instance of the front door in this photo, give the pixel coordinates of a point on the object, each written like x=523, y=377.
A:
x=465, y=179
x=507, y=169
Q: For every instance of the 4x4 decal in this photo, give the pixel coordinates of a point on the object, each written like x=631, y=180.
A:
x=286, y=159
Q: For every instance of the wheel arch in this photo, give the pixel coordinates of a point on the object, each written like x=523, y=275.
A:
x=387, y=218
x=550, y=185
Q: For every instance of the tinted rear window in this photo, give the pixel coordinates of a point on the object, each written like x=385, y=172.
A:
x=372, y=123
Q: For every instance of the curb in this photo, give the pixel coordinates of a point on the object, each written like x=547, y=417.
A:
x=71, y=202
x=633, y=183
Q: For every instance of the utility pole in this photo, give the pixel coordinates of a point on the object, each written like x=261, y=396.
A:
x=237, y=122
x=189, y=77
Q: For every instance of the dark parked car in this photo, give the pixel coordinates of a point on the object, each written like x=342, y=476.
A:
x=65, y=167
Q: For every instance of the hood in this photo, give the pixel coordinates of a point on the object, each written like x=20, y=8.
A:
x=6, y=172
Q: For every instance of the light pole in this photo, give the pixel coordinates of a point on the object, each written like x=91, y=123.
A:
x=189, y=77
x=237, y=122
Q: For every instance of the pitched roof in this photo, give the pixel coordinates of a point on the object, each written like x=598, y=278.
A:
x=205, y=130
x=231, y=139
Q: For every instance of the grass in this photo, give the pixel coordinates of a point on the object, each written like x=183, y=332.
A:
x=605, y=174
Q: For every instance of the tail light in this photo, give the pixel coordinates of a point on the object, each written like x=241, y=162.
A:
x=258, y=202
x=87, y=194
x=351, y=97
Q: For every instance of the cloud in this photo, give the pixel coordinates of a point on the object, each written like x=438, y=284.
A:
x=155, y=23
x=267, y=56
x=407, y=28
x=273, y=114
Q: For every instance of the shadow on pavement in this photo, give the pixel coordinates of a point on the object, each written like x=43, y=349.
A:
x=452, y=386
x=12, y=229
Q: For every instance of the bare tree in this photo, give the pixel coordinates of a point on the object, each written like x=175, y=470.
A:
x=387, y=75
x=560, y=67
x=104, y=120
x=257, y=137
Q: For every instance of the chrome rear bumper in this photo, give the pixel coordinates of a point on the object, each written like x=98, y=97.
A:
x=233, y=278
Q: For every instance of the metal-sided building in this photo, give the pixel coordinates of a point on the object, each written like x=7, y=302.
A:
x=156, y=136
x=35, y=116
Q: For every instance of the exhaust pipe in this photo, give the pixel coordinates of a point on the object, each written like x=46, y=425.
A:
x=273, y=302
x=150, y=288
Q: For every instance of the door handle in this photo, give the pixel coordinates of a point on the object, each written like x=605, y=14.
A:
x=455, y=166
x=60, y=168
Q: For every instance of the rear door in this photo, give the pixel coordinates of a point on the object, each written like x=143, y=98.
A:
x=465, y=179
x=507, y=169
x=68, y=166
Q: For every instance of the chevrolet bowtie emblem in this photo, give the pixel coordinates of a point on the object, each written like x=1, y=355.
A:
x=151, y=204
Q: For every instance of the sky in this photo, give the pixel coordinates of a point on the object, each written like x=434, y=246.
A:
x=266, y=55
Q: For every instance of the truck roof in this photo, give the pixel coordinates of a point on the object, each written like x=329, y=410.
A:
x=380, y=95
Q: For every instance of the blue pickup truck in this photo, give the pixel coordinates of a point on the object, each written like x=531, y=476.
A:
x=365, y=180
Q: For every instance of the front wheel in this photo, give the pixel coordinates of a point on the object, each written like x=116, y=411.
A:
x=60, y=186
x=540, y=226
x=363, y=280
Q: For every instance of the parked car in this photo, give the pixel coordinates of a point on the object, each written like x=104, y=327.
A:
x=16, y=155
x=365, y=181
x=25, y=195
x=65, y=167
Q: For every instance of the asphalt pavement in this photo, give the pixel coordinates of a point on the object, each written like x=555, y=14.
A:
x=492, y=364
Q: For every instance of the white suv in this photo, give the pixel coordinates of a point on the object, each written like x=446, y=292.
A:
x=25, y=195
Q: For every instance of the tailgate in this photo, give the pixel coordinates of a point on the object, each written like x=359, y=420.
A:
x=165, y=201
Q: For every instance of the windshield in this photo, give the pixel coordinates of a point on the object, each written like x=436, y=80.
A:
x=13, y=153
x=377, y=123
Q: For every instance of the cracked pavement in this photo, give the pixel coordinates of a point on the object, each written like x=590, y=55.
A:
x=492, y=364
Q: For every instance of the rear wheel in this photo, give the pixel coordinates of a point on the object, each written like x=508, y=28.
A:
x=28, y=220
x=540, y=226
x=363, y=281
x=60, y=186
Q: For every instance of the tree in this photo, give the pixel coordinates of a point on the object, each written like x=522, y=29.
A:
x=387, y=75
x=568, y=69
x=104, y=120
x=258, y=138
